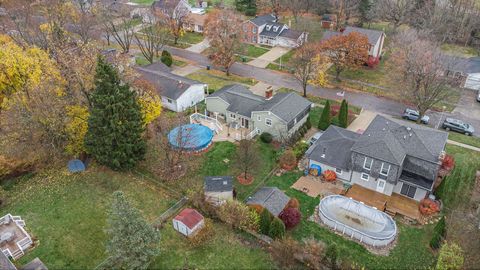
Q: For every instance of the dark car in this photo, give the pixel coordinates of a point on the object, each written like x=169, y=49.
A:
x=413, y=115
x=458, y=126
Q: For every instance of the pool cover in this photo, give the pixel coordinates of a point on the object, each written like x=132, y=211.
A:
x=191, y=137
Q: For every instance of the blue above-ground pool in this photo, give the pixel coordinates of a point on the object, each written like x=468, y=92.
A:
x=191, y=137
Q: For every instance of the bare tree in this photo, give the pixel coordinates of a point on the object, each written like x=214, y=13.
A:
x=152, y=40
x=273, y=6
x=174, y=18
x=397, y=12
x=304, y=64
x=247, y=158
x=418, y=70
x=85, y=19
x=119, y=26
x=344, y=9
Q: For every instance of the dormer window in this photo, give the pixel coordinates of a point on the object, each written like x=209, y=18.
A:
x=275, y=28
x=268, y=27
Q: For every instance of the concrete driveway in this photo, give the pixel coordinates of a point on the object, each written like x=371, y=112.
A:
x=263, y=60
x=199, y=47
x=361, y=123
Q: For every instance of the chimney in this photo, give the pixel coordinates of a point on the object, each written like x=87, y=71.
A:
x=269, y=94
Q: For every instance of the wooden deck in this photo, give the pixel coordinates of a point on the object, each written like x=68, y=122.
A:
x=393, y=205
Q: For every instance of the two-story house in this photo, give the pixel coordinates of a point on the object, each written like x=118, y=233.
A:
x=172, y=9
x=389, y=157
x=280, y=115
x=266, y=30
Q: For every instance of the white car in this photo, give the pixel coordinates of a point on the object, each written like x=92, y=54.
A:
x=315, y=137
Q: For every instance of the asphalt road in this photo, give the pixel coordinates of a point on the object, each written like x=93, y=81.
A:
x=468, y=110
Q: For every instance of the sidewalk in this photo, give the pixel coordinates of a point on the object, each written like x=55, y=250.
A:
x=263, y=60
x=199, y=47
x=466, y=146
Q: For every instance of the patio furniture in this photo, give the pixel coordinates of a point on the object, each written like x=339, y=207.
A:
x=6, y=237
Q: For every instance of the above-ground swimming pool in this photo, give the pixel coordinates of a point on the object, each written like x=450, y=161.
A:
x=191, y=137
x=357, y=220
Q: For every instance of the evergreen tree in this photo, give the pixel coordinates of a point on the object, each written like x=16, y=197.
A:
x=166, y=58
x=133, y=242
x=115, y=125
x=365, y=10
x=265, y=220
x=331, y=255
x=249, y=7
x=277, y=228
x=325, y=120
x=343, y=114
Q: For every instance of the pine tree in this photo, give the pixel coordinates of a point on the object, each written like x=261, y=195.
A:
x=277, y=228
x=115, y=125
x=265, y=220
x=365, y=10
x=331, y=255
x=133, y=242
x=325, y=120
x=249, y=7
x=343, y=114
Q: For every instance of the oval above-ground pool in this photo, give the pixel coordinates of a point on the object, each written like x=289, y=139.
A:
x=191, y=137
x=357, y=220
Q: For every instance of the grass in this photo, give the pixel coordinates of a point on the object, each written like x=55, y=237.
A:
x=252, y=51
x=143, y=2
x=218, y=79
x=411, y=251
x=461, y=138
x=281, y=63
x=142, y=61
x=308, y=23
x=459, y=50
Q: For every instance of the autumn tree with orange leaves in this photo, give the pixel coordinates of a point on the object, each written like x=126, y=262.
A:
x=222, y=28
x=345, y=51
x=308, y=66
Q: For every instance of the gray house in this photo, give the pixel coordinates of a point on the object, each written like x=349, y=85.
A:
x=270, y=198
x=389, y=157
x=218, y=189
x=280, y=115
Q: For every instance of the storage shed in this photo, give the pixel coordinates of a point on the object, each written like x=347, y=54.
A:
x=218, y=189
x=188, y=222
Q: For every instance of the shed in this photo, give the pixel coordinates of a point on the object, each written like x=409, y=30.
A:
x=218, y=189
x=271, y=198
x=188, y=222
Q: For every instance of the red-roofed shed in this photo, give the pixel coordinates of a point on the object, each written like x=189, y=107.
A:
x=188, y=222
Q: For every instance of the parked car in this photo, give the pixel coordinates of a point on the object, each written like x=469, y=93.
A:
x=413, y=115
x=314, y=138
x=458, y=126
x=478, y=96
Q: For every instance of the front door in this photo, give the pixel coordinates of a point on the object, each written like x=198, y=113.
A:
x=381, y=185
x=244, y=123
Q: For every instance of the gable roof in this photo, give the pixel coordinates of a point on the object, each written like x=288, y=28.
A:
x=391, y=141
x=166, y=83
x=242, y=101
x=458, y=64
x=190, y=217
x=218, y=183
x=5, y=263
x=168, y=5
x=333, y=147
x=263, y=19
x=372, y=35
x=291, y=34
x=272, y=29
x=271, y=198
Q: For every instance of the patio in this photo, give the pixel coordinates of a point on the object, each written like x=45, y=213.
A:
x=222, y=131
x=313, y=186
x=14, y=240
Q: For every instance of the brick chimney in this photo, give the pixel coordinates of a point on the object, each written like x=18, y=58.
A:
x=269, y=93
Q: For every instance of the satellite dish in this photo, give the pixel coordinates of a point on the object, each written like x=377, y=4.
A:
x=76, y=165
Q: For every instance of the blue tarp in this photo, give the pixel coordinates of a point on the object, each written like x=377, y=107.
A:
x=76, y=165
x=317, y=167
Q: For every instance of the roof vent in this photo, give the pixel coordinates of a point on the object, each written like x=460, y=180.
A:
x=404, y=137
x=322, y=156
x=410, y=134
x=224, y=183
x=409, y=128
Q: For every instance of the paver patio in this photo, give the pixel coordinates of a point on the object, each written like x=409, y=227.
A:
x=313, y=186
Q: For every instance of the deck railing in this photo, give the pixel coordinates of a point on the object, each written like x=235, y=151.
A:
x=195, y=116
x=252, y=134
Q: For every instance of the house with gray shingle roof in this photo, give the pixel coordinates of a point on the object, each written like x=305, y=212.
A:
x=267, y=30
x=178, y=93
x=376, y=39
x=270, y=198
x=465, y=71
x=280, y=115
x=218, y=189
x=389, y=157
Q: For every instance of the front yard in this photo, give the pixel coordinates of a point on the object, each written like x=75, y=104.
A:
x=218, y=79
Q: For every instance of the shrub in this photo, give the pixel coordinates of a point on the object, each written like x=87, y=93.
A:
x=265, y=220
x=313, y=254
x=331, y=255
x=166, y=58
x=343, y=114
x=237, y=215
x=293, y=203
x=448, y=162
x=251, y=12
x=438, y=234
x=299, y=149
x=450, y=257
x=198, y=200
x=204, y=235
x=308, y=124
x=277, y=228
x=329, y=175
x=325, y=119
x=290, y=217
x=428, y=207
x=284, y=253
x=288, y=160
x=266, y=137
x=372, y=62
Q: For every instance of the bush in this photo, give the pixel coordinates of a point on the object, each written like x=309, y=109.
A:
x=277, y=228
x=448, y=162
x=266, y=137
x=329, y=175
x=450, y=257
x=313, y=254
x=325, y=119
x=438, y=234
x=343, y=114
x=428, y=207
x=293, y=203
x=308, y=124
x=299, y=149
x=288, y=160
x=238, y=215
x=331, y=255
x=166, y=58
x=284, y=253
x=290, y=217
x=251, y=12
x=205, y=234
x=265, y=220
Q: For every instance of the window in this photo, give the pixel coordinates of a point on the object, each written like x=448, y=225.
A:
x=169, y=100
x=408, y=190
x=385, y=169
x=259, y=118
x=244, y=28
x=365, y=176
x=254, y=30
x=232, y=115
x=338, y=171
x=268, y=122
x=367, y=164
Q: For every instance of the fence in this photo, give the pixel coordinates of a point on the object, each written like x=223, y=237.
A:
x=170, y=212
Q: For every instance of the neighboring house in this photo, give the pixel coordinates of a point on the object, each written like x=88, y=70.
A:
x=35, y=264
x=145, y=13
x=178, y=93
x=280, y=115
x=195, y=22
x=389, y=157
x=188, y=222
x=376, y=39
x=329, y=21
x=266, y=30
x=270, y=198
x=218, y=189
x=465, y=71
x=172, y=8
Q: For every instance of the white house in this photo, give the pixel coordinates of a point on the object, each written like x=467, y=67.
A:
x=178, y=93
x=188, y=222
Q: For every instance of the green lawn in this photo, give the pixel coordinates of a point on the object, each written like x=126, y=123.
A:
x=460, y=51
x=143, y=2
x=411, y=251
x=461, y=138
x=218, y=79
x=309, y=23
x=252, y=51
x=281, y=63
x=142, y=61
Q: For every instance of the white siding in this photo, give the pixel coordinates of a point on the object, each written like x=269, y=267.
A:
x=183, y=229
x=473, y=81
x=193, y=95
x=345, y=176
x=371, y=183
x=219, y=197
x=419, y=193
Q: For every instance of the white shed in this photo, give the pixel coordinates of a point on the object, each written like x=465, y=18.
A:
x=188, y=222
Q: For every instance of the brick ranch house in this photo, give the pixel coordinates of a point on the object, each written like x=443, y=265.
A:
x=266, y=30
